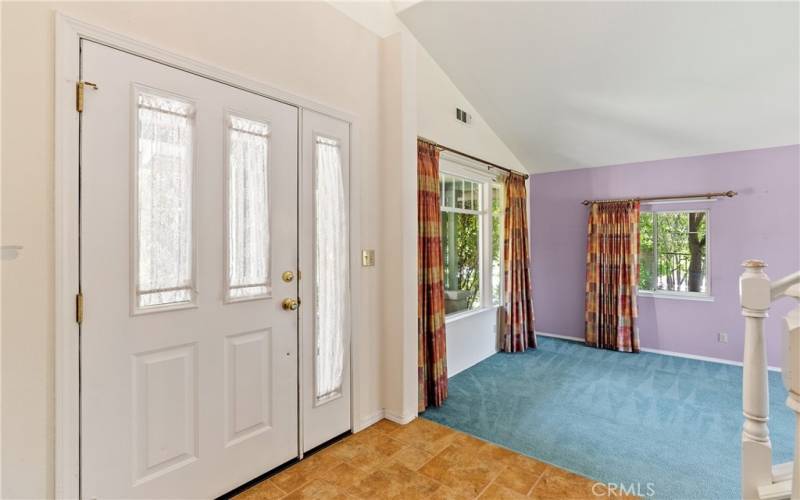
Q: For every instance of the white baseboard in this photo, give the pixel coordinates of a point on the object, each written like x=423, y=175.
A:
x=660, y=351
x=369, y=420
x=555, y=335
x=398, y=418
x=380, y=415
x=702, y=358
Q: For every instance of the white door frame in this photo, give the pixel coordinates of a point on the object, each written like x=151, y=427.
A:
x=69, y=32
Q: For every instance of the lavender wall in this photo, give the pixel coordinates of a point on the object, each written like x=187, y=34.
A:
x=762, y=222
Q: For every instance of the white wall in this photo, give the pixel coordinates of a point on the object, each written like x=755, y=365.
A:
x=437, y=99
x=471, y=339
x=377, y=16
x=308, y=49
x=1, y=262
x=399, y=233
x=437, y=95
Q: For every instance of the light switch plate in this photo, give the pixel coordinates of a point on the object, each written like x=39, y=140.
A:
x=367, y=258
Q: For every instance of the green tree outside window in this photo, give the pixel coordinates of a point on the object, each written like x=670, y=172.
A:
x=672, y=255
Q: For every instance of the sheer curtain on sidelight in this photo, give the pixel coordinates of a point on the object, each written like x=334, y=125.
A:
x=164, y=212
x=331, y=269
x=248, y=209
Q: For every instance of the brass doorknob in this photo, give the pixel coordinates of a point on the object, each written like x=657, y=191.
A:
x=290, y=304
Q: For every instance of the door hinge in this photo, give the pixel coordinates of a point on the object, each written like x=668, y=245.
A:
x=79, y=308
x=79, y=91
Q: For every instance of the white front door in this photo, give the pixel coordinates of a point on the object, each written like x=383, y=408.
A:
x=188, y=220
x=325, y=287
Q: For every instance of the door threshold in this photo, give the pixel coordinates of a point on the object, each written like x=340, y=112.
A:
x=273, y=472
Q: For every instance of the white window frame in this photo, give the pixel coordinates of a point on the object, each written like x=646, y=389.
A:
x=227, y=299
x=667, y=294
x=331, y=396
x=451, y=164
x=135, y=308
x=498, y=183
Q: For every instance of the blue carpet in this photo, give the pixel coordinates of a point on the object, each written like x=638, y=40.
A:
x=616, y=417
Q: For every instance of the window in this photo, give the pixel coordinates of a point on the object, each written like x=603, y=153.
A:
x=330, y=268
x=471, y=217
x=247, y=209
x=498, y=216
x=164, y=217
x=673, y=253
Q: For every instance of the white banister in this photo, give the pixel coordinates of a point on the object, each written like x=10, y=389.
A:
x=791, y=327
x=756, y=293
x=781, y=286
x=755, y=298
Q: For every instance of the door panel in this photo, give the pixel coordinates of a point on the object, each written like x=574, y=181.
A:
x=185, y=392
x=165, y=410
x=325, y=285
x=248, y=368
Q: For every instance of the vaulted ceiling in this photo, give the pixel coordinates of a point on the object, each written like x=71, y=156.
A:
x=583, y=84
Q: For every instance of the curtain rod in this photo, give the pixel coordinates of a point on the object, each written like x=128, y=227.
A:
x=701, y=196
x=488, y=163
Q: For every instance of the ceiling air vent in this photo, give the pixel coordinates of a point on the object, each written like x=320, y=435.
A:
x=463, y=116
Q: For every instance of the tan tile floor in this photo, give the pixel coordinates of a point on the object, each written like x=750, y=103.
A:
x=420, y=460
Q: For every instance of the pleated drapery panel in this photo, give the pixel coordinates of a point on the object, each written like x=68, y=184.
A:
x=612, y=276
x=430, y=281
x=518, y=334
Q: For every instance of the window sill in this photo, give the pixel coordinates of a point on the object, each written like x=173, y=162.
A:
x=450, y=318
x=677, y=296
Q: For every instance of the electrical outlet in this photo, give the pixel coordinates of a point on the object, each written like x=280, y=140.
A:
x=722, y=338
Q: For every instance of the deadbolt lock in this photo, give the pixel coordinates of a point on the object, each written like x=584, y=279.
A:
x=287, y=276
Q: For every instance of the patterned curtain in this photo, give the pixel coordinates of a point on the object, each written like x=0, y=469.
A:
x=430, y=284
x=612, y=276
x=518, y=333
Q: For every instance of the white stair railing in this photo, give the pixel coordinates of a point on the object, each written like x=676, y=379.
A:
x=759, y=478
x=791, y=378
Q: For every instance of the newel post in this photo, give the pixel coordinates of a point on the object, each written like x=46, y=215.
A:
x=754, y=296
